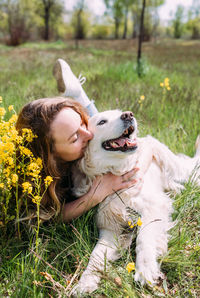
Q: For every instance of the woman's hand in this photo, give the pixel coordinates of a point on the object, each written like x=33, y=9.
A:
x=102, y=187
x=108, y=184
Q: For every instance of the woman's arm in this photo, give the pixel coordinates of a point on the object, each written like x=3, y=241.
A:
x=102, y=187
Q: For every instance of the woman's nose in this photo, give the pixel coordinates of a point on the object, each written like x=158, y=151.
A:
x=88, y=134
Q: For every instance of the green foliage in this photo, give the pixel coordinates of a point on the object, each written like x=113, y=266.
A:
x=100, y=31
x=110, y=68
x=81, y=23
x=194, y=27
x=178, y=22
x=19, y=16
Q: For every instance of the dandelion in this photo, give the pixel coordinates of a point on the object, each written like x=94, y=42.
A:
x=130, y=267
x=27, y=187
x=10, y=108
x=48, y=181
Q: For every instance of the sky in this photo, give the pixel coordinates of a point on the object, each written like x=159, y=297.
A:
x=165, y=11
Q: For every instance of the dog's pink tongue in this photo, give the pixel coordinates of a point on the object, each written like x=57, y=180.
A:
x=122, y=141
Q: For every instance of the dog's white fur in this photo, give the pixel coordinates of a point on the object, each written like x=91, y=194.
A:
x=167, y=171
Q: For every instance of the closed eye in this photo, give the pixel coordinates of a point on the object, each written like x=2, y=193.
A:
x=102, y=122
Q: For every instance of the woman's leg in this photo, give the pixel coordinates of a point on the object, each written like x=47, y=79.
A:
x=69, y=85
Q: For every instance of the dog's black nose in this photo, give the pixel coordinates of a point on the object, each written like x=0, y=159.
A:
x=127, y=116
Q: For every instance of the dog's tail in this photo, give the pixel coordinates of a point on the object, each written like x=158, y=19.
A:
x=197, y=146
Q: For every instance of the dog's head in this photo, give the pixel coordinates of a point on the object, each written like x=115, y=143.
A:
x=114, y=138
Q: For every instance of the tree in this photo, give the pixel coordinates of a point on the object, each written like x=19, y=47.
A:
x=46, y=9
x=178, y=22
x=18, y=17
x=127, y=4
x=151, y=20
x=79, y=32
x=115, y=8
x=139, y=55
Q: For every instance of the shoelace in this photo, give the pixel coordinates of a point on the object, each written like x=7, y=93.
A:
x=81, y=79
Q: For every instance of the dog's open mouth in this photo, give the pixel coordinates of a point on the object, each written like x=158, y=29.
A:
x=123, y=143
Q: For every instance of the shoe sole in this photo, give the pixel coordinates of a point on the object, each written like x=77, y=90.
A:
x=57, y=72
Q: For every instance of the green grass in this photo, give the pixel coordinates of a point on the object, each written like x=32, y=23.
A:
x=26, y=74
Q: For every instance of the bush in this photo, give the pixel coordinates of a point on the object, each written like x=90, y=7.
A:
x=100, y=31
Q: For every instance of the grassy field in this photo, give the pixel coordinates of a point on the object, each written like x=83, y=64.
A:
x=172, y=116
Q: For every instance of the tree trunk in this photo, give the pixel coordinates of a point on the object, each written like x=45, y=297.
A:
x=116, y=28
x=139, y=55
x=46, y=19
x=125, y=23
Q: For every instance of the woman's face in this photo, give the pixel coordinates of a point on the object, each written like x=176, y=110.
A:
x=70, y=135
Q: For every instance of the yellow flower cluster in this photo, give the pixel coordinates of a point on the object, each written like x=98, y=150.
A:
x=141, y=100
x=138, y=223
x=130, y=267
x=48, y=181
x=165, y=85
x=18, y=167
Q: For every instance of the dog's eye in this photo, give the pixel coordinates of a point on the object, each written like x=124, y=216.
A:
x=102, y=122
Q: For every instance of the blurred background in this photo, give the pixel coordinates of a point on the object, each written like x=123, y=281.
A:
x=33, y=20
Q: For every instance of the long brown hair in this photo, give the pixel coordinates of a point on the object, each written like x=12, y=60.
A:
x=38, y=116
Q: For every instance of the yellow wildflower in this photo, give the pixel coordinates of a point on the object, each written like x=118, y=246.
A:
x=14, y=178
x=129, y=222
x=10, y=108
x=2, y=112
x=28, y=134
x=161, y=85
x=25, y=151
x=130, y=267
x=142, y=97
x=10, y=161
x=13, y=119
x=36, y=199
x=1, y=99
x=27, y=187
x=1, y=184
x=48, y=180
x=166, y=82
x=34, y=168
x=39, y=162
x=139, y=222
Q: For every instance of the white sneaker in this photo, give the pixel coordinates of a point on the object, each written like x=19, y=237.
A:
x=68, y=84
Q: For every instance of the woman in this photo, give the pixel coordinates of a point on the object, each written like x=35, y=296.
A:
x=62, y=135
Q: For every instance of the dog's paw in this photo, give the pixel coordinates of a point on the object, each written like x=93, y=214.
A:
x=148, y=274
x=87, y=284
x=148, y=278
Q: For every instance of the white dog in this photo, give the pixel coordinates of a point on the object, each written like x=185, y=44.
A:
x=115, y=148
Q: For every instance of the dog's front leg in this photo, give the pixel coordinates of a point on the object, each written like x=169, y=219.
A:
x=104, y=251
x=151, y=242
